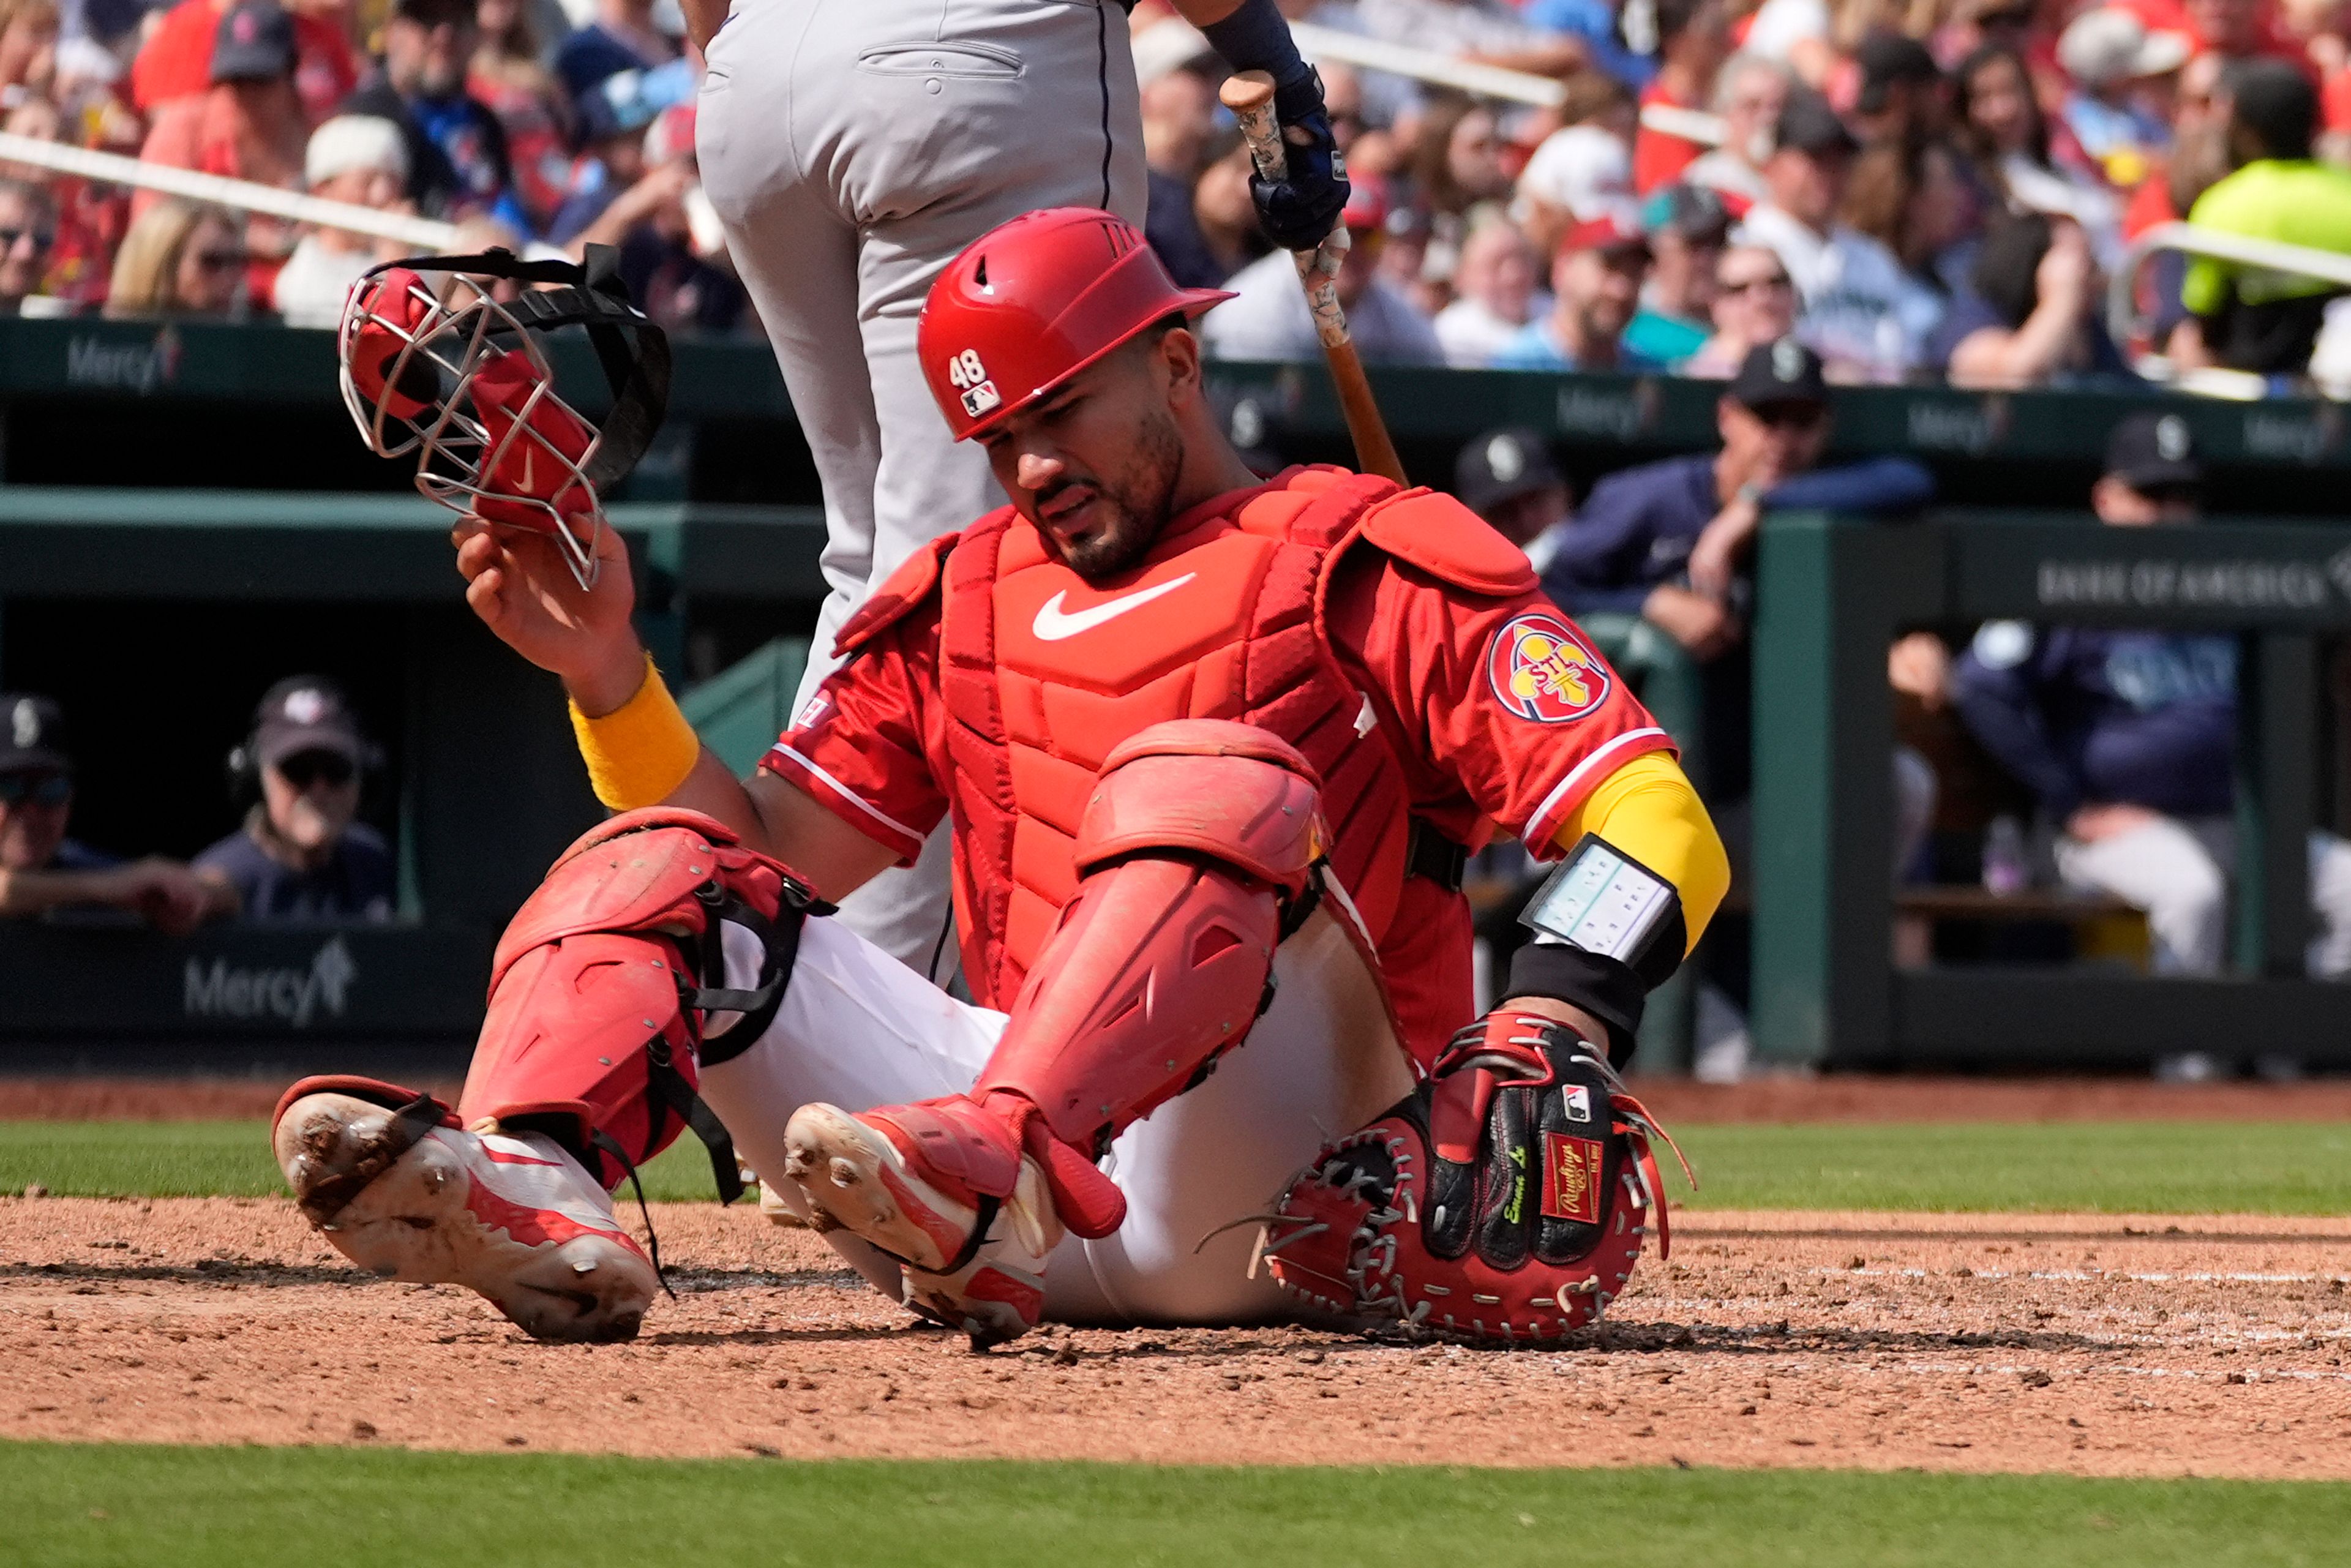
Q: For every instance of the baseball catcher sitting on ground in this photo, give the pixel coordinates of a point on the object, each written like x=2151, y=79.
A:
x=1214, y=747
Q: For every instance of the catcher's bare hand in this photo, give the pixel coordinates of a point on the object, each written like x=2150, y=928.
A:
x=519, y=584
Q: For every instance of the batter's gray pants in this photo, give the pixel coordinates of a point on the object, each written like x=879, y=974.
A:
x=852, y=148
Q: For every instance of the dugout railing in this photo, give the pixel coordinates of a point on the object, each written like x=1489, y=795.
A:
x=1832, y=593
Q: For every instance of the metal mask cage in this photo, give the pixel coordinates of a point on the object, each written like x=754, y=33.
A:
x=497, y=459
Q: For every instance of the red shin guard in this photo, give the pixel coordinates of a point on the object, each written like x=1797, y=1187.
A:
x=1197, y=840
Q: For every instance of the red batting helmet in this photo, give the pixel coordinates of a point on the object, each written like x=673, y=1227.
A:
x=1034, y=301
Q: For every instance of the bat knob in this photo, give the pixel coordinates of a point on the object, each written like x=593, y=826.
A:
x=1247, y=92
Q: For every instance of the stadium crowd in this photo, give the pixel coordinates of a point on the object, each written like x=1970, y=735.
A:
x=1918, y=189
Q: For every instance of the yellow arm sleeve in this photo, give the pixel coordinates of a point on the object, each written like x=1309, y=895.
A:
x=1649, y=810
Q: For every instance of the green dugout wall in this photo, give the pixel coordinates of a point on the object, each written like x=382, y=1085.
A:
x=185, y=513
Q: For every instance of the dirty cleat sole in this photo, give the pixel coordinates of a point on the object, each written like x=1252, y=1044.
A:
x=511, y=1217
x=853, y=1174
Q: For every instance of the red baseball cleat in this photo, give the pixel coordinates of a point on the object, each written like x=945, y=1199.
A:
x=944, y=1186
x=510, y=1216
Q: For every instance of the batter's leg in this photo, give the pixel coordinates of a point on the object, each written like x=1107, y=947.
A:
x=912, y=128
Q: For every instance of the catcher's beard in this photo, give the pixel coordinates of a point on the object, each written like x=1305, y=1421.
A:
x=1140, y=498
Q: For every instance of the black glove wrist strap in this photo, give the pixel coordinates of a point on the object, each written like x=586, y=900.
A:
x=1256, y=37
x=1605, y=987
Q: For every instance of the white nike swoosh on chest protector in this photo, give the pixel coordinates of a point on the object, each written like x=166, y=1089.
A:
x=1053, y=623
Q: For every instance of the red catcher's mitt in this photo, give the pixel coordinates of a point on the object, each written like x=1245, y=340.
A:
x=1504, y=1202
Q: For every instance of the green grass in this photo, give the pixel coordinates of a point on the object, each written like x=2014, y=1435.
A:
x=74, y=1504
x=2158, y=1167
x=220, y=1159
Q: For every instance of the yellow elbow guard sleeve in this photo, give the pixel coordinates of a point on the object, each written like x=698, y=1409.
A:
x=1649, y=810
x=640, y=753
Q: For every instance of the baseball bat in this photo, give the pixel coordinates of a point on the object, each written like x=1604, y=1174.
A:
x=1249, y=95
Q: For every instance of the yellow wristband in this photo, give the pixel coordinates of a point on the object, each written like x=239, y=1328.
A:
x=640, y=753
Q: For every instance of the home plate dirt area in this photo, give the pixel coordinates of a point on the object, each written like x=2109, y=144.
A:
x=2094, y=1345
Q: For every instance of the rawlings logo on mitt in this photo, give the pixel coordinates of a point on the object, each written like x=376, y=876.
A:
x=1505, y=1201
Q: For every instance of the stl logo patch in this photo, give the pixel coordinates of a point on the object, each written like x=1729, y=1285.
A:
x=1543, y=671
x=1571, y=1178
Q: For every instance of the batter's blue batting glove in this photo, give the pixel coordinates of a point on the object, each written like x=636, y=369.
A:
x=1298, y=211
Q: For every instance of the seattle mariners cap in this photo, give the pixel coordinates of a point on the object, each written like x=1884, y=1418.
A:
x=2152, y=451
x=32, y=735
x=1784, y=372
x=1691, y=213
x=1501, y=466
x=305, y=713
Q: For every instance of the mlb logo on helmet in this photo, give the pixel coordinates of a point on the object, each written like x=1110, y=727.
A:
x=965, y=374
x=1543, y=671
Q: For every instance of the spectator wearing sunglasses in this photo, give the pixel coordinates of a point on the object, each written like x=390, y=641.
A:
x=179, y=260
x=302, y=855
x=42, y=869
x=29, y=228
x=1754, y=304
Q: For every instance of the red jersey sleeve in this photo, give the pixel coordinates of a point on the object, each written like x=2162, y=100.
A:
x=862, y=744
x=1501, y=695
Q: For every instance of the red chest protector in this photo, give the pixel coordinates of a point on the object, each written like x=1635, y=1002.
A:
x=1044, y=674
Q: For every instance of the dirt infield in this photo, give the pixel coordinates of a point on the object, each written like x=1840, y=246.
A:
x=1677, y=1099
x=2094, y=1345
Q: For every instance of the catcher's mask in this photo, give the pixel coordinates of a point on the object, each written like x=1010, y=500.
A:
x=461, y=379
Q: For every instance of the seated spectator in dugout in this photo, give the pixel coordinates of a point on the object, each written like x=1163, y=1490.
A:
x=300, y=855
x=1507, y=476
x=1673, y=541
x=2128, y=737
x=2254, y=318
x=41, y=869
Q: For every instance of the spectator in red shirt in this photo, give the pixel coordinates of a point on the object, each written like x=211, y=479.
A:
x=176, y=60
x=510, y=79
x=29, y=229
x=248, y=125
x=1692, y=40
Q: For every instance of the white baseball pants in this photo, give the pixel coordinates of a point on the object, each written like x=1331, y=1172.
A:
x=857, y=1030
x=853, y=148
x=2178, y=870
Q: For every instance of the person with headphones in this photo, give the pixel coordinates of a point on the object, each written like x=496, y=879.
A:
x=302, y=855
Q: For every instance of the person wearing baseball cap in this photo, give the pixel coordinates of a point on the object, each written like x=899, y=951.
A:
x=1267, y=318
x=1595, y=279
x=352, y=158
x=1903, y=92
x=2154, y=473
x=2112, y=57
x=1507, y=476
x=302, y=855
x=2126, y=737
x=1859, y=308
x=1687, y=227
x=458, y=165
x=43, y=869
x=1671, y=541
